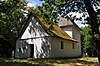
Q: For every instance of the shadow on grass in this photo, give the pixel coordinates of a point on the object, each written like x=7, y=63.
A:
x=12, y=63
x=22, y=64
x=64, y=61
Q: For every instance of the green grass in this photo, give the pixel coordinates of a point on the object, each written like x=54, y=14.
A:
x=22, y=62
x=50, y=62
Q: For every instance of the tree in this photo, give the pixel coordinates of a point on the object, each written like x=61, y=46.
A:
x=94, y=25
x=57, y=8
x=11, y=19
x=87, y=42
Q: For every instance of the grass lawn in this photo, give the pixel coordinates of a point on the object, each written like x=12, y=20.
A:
x=91, y=61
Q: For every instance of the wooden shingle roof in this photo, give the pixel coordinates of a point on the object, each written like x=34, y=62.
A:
x=55, y=31
x=66, y=21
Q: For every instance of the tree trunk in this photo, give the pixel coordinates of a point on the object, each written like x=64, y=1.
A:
x=94, y=25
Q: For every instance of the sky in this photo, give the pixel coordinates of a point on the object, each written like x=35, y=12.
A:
x=35, y=3
x=78, y=15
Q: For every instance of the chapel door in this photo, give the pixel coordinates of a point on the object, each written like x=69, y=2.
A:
x=32, y=50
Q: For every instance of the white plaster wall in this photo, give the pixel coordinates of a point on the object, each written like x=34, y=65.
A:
x=34, y=29
x=77, y=36
x=34, y=34
x=74, y=32
x=42, y=48
x=68, y=30
x=67, y=51
x=22, y=49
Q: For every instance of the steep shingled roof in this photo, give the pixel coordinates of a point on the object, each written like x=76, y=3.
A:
x=66, y=21
x=54, y=31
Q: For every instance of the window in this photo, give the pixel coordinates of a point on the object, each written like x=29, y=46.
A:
x=73, y=46
x=62, y=44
